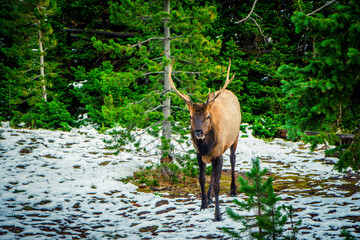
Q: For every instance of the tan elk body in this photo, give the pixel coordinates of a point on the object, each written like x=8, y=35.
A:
x=215, y=127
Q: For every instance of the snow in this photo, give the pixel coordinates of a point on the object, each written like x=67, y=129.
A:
x=66, y=185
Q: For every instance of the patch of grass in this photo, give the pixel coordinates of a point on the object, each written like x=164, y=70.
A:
x=175, y=181
x=43, y=202
x=104, y=163
x=149, y=229
x=28, y=208
x=115, y=236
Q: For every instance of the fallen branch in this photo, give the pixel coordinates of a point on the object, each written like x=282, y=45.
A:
x=100, y=32
x=344, y=138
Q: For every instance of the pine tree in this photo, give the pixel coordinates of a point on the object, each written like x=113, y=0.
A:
x=268, y=220
x=144, y=91
x=323, y=93
x=27, y=36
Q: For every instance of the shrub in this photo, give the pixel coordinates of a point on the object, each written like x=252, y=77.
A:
x=49, y=115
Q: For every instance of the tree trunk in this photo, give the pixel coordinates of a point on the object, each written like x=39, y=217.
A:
x=166, y=131
x=42, y=67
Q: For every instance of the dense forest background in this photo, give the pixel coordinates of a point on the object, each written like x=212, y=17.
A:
x=297, y=65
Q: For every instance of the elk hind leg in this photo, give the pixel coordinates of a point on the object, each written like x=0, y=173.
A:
x=232, y=161
x=210, y=193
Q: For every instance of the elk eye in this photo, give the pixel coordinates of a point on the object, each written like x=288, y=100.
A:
x=190, y=117
x=208, y=117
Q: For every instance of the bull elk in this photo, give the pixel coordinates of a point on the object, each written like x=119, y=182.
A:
x=215, y=127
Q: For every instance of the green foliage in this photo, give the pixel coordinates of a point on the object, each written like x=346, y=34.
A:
x=24, y=26
x=348, y=156
x=266, y=127
x=48, y=115
x=269, y=219
x=323, y=93
x=118, y=79
x=133, y=95
x=347, y=235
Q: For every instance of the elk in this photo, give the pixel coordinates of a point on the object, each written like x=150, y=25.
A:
x=215, y=127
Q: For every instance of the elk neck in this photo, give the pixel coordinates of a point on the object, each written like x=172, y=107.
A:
x=206, y=145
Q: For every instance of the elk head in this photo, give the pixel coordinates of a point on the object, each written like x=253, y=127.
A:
x=200, y=113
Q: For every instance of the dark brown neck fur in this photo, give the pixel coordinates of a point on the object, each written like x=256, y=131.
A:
x=206, y=145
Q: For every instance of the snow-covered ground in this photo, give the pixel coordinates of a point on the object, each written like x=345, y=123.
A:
x=65, y=185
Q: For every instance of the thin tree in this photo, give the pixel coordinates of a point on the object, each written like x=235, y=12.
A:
x=166, y=131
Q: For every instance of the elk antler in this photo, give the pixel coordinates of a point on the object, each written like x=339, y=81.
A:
x=183, y=96
x=210, y=99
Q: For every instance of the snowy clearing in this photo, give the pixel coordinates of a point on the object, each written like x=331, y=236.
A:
x=65, y=185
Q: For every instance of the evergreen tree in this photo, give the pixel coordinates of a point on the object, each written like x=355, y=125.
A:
x=323, y=93
x=268, y=221
x=75, y=24
x=135, y=93
x=257, y=50
x=26, y=37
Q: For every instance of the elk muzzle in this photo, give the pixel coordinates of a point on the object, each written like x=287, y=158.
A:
x=199, y=134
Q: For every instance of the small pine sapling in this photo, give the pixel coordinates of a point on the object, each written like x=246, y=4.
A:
x=268, y=219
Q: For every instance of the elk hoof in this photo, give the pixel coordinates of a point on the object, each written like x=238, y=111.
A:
x=218, y=218
x=233, y=194
x=203, y=206
x=210, y=202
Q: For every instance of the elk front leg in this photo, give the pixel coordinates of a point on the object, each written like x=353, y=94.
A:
x=216, y=174
x=202, y=178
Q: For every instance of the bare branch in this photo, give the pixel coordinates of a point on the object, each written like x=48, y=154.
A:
x=162, y=72
x=249, y=16
x=326, y=4
x=261, y=32
x=154, y=109
x=148, y=40
x=181, y=108
x=252, y=10
x=153, y=38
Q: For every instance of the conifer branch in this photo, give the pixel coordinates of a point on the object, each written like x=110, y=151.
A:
x=326, y=4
